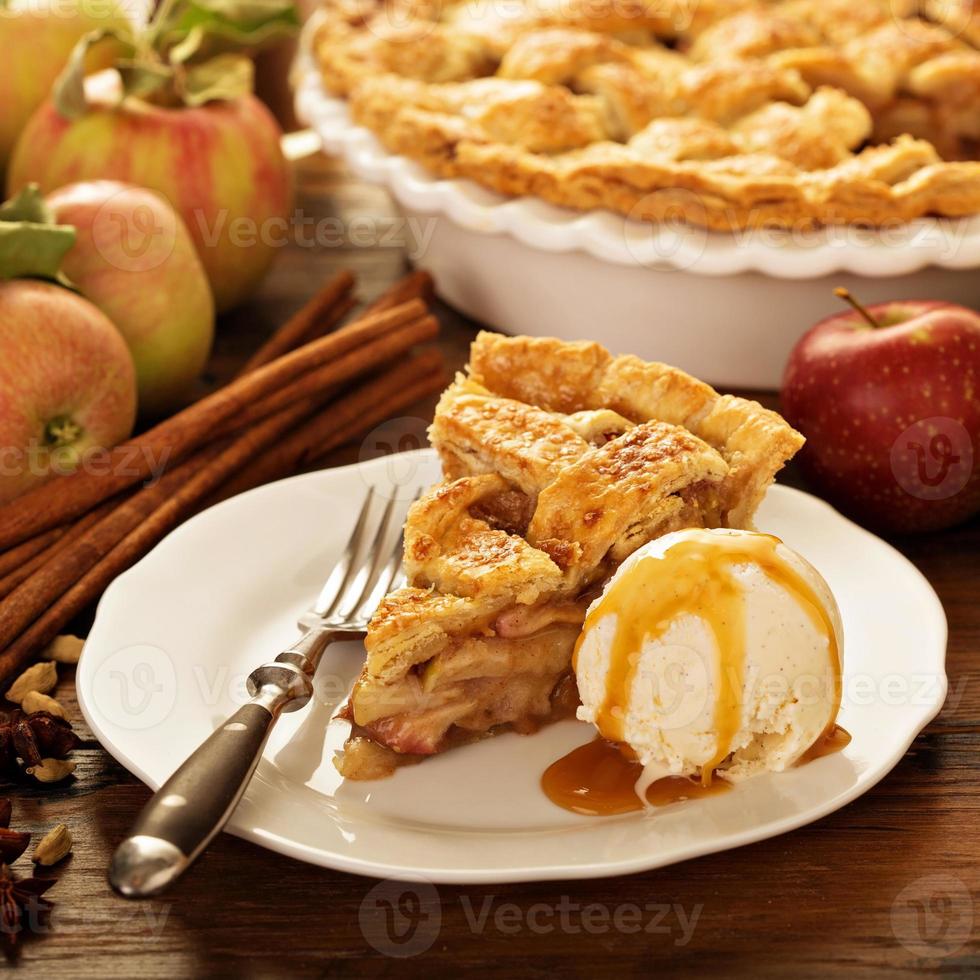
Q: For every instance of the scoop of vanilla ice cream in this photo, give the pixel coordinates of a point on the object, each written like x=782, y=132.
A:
x=716, y=649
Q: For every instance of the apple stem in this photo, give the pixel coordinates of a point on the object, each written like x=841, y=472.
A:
x=61, y=431
x=847, y=296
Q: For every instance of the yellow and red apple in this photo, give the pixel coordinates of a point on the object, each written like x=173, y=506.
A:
x=67, y=383
x=220, y=166
x=135, y=260
x=36, y=38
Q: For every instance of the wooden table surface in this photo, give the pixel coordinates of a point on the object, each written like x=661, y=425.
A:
x=888, y=882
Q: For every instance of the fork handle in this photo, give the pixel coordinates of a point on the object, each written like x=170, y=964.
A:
x=196, y=801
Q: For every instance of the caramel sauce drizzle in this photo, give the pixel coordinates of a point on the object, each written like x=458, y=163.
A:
x=695, y=577
x=829, y=742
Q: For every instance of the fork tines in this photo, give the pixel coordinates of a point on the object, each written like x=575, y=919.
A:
x=371, y=565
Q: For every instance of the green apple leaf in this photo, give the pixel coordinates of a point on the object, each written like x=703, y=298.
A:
x=69, y=87
x=228, y=77
x=28, y=205
x=191, y=51
x=248, y=11
x=144, y=78
x=197, y=30
x=32, y=245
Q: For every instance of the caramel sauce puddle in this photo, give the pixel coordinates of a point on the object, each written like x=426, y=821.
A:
x=693, y=577
x=598, y=780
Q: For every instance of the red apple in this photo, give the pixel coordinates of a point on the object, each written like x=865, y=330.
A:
x=889, y=401
x=67, y=383
x=133, y=258
x=36, y=38
x=219, y=165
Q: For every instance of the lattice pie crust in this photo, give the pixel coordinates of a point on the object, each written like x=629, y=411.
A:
x=725, y=113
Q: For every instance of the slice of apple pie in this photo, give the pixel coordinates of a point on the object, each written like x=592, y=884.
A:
x=559, y=461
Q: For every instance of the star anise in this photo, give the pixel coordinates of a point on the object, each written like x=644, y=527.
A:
x=31, y=738
x=22, y=905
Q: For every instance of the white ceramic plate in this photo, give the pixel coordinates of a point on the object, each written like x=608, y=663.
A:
x=726, y=307
x=176, y=635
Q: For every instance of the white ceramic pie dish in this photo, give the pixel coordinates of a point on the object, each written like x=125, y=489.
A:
x=727, y=308
x=176, y=635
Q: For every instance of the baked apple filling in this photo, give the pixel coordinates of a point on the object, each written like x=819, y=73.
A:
x=477, y=685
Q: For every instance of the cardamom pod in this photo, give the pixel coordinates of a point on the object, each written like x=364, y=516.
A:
x=64, y=649
x=51, y=770
x=41, y=677
x=53, y=846
x=36, y=701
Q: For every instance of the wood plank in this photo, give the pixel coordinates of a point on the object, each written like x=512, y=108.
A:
x=827, y=898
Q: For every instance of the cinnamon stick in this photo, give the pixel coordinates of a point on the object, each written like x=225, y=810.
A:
x=416, y=285
x=354, y=414
x=31, y=598
x=323, y=379
x=68, y=533
x=331, y=303
x=179, y=492
x=352, y=350
x=428, y=375
x=13, y=558
x=144, y=518
x=329, y=306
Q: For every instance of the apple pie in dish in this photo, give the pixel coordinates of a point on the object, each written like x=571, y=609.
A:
x=559, y=461
x=725, y=113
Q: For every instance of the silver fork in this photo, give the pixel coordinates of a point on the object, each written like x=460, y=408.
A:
x=184, y=815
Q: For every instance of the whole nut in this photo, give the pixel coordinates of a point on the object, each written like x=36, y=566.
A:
x=51, y=770
x=36, y=701
x=41, y=677
x=64, y=649
x=53, y=846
